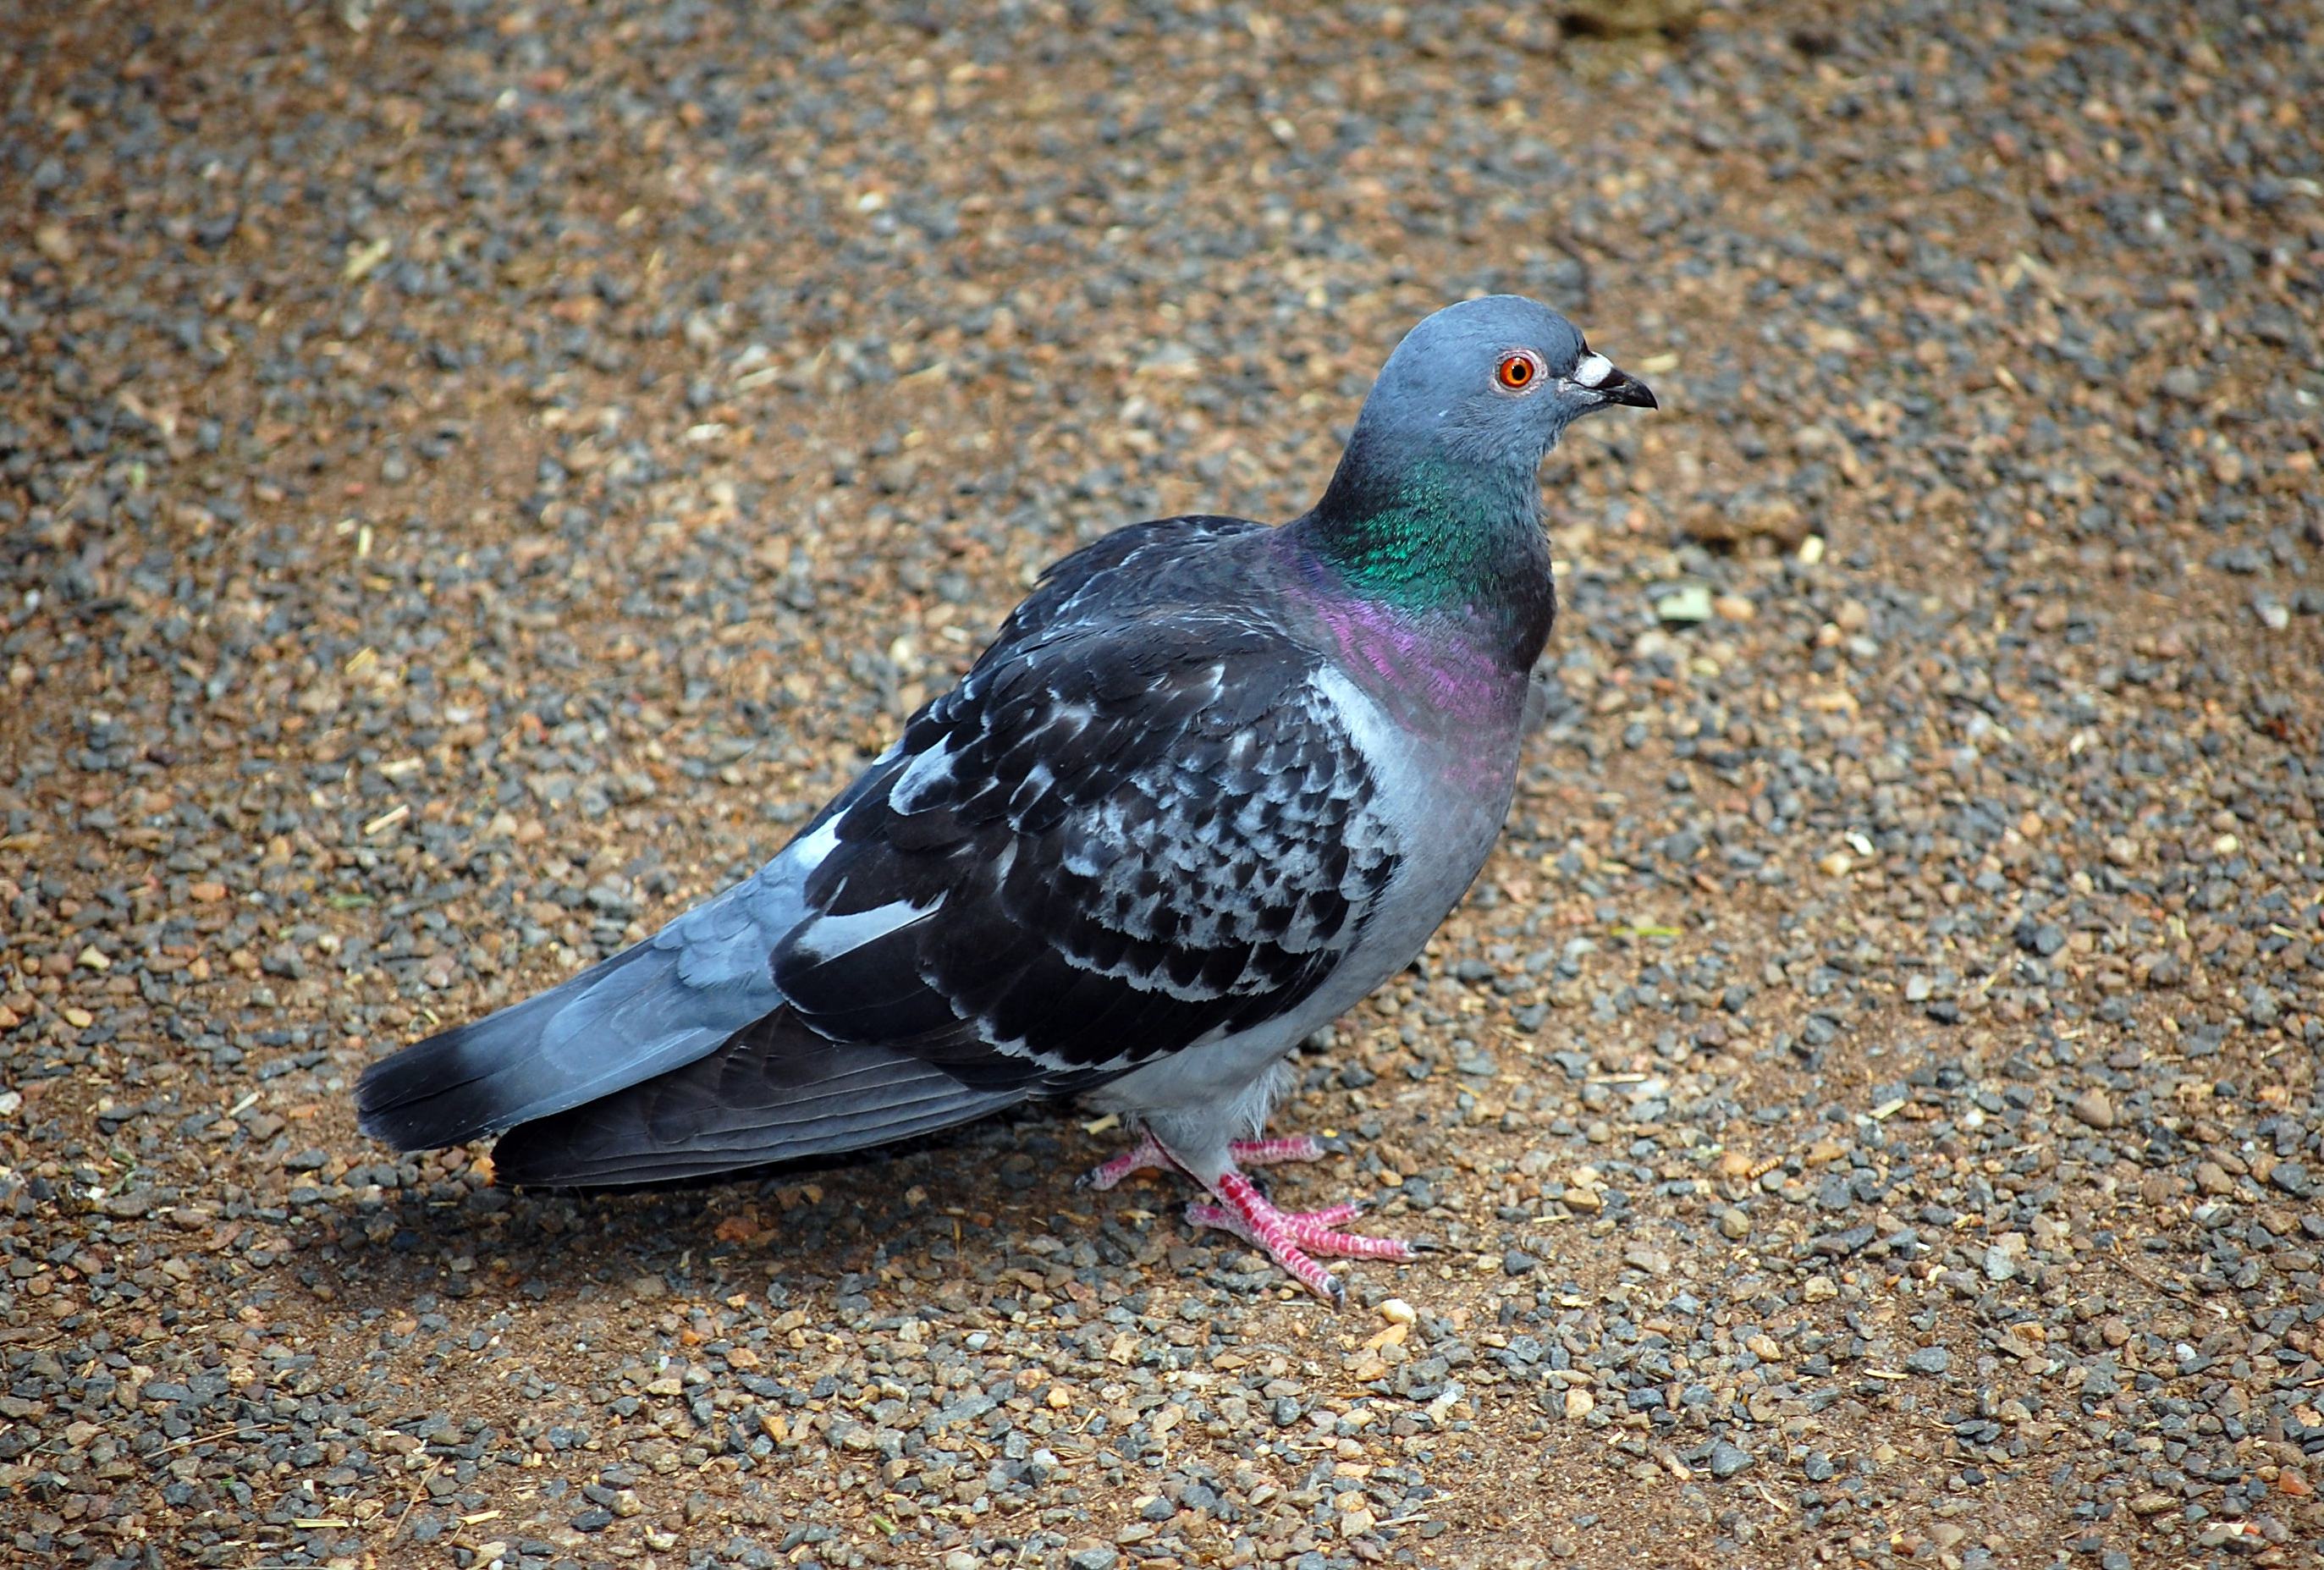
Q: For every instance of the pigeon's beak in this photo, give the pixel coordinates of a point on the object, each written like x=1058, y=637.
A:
x=1620, y=387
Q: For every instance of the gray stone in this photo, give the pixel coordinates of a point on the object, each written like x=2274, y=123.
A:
x=2042, y=937
x=2261, y=1008
x=2183, y=382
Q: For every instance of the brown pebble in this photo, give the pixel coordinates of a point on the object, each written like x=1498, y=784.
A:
x=2093, y=1107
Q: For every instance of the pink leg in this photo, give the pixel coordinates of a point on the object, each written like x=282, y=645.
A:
x=1148, y=1156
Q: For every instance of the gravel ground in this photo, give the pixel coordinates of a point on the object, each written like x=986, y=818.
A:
x=471, y=476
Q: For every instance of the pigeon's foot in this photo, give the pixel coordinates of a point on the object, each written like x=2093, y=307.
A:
x=1148, y=1156
x=1290, y=1237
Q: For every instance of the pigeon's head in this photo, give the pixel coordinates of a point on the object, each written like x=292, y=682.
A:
x=1493, y=381
x=1437, y=502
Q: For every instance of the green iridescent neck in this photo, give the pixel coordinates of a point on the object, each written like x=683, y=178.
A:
x=1439, y=535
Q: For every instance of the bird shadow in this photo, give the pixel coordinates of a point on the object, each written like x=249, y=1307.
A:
x=932, y=1217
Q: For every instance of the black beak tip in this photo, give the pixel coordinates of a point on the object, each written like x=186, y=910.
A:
x=1625, y=388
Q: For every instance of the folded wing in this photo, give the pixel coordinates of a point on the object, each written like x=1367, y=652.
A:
x=1121, y=837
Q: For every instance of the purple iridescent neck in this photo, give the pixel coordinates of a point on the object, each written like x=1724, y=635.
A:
x=1445, y=668
x=1442, y=554
x=1430, y=668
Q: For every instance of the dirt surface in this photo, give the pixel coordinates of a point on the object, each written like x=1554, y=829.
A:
x=471, y=476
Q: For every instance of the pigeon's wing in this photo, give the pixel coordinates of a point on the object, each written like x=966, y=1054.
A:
x=1092, y=582
x=775, y=1091
x=1127, y=832
x=1113, y=841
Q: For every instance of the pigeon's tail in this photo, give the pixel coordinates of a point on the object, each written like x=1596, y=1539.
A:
x=775, y=1092
x=615, y=1024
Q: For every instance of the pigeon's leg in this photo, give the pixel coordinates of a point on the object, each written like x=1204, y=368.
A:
x=1148, y=1156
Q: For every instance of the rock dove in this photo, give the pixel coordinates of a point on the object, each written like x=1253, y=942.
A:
x=1213, y=782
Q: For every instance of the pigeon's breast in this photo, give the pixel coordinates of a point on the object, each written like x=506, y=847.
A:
x=1436, y=804
x=1439, y=727
x=1443, y=792
x=1430, y=680
x=1438, y=718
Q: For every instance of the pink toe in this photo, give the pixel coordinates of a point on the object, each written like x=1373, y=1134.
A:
x=1147, y=1155
x=1351, y=1245
x=1271, y=1152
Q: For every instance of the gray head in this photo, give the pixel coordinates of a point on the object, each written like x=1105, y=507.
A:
x=1492, y=382
x=1435, y=507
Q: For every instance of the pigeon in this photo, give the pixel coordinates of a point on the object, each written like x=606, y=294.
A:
x=1213, y=782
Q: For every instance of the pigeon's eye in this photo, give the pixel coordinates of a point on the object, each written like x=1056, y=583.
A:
x=1518, y=371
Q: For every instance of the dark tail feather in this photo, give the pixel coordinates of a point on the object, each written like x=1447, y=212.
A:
x=776, y=1092
x=618, y=1022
